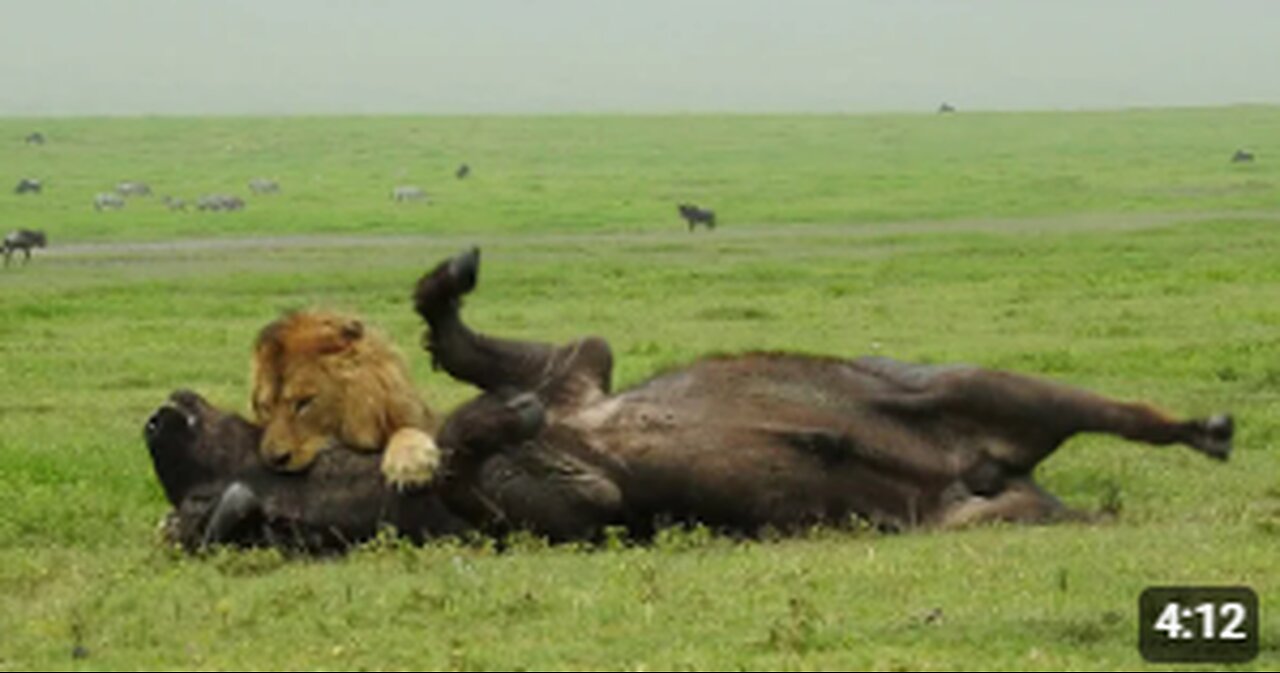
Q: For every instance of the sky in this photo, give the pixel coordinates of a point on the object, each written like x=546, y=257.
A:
x=194, y=57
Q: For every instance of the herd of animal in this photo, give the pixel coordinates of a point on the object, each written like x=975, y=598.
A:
x=125, y=191
x=341, y=446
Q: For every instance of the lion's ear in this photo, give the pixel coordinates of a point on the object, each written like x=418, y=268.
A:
x=348, y=332
x=352, y=330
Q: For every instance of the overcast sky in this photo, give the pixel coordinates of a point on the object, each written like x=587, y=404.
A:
x=72, y=57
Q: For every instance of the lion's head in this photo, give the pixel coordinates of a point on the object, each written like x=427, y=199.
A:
x=321, y=378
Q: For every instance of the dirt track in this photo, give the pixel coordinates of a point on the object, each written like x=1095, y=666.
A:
x=1089, y=222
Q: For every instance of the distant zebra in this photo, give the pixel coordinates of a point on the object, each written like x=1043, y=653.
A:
x=1242, y=157
x=408, y=193
x=694, y=216
x=131, y=188
x=24, y=240
x=264, y=186
x=35, y=138
x=462, y=172
x=27, y=186
x=107, y=201
x=220, y=202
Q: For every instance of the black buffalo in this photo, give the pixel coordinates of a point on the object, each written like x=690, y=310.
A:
x=24, y=240
x=693, y=216
x=1242, y=157
x=28, y=186
x=741, y=443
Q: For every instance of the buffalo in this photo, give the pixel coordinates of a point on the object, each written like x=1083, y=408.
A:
x=209, y=468
x=742, y=443
x=35, y=138
x=28, y=186
x=946, y=108
x=24, y=240
x=1242, y=157
x=693, y=216
x=463, y=171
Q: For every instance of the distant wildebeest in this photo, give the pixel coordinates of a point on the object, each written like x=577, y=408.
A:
x=27, y=186
x=220, y=202
x=408, y=193
x=694, y=216
x=741, y=443
x=175, y=203
x=462, y=172
x=946, y=108
x=264, y=186
x=1242, y=157
x=35, y=138
x=24, y=240
x=107, y=201
x=132, y=188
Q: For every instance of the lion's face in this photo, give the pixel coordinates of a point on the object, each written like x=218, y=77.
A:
x=321, y=379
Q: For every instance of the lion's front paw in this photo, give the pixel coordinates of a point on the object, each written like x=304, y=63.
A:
x=411, y=459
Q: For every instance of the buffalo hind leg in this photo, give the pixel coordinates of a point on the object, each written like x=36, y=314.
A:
x=1039, y=409
x=1035, y=416
x=581, y=367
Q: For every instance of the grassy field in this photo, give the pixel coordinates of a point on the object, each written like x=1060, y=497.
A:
x=1119, y=251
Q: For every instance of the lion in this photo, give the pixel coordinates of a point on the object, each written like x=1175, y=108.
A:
x=322, y=379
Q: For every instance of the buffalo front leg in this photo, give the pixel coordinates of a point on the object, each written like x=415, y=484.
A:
x=492, y=363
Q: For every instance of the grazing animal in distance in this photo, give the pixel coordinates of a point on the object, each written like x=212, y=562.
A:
x=220, y=203
x=24, y=240
x=35, y=138
x=133, y=188
x=462, y=172
x=175, y=203
x=408, y=193
x=107, y=201
x=322, y=378
x=28, y=186
x=946, y=108
x=1242, y=157
x=264, y=186
x=694, y=216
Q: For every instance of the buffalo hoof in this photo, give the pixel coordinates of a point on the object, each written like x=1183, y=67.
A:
x=530, y=413
x=439, y=290
x=1214, y=435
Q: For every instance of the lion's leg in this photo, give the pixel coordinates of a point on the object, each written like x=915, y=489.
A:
x=492, y=363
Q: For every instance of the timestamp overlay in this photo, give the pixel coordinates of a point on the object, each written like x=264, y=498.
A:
x=1198, y=624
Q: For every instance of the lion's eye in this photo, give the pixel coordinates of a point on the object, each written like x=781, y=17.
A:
x=300, y=405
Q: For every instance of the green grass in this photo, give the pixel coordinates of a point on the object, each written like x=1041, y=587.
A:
x=1118, y=251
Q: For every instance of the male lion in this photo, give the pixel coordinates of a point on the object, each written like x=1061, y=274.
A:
x=322, y=379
